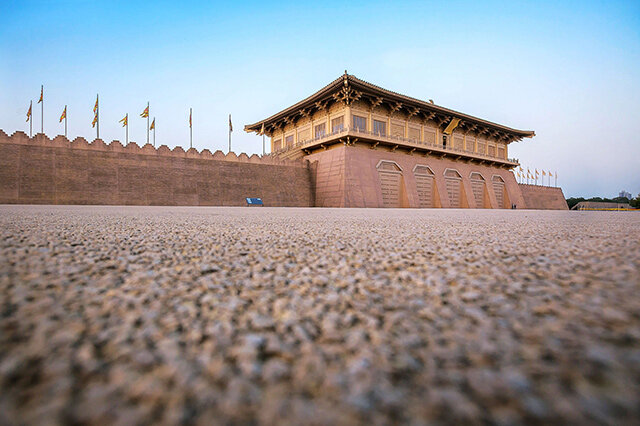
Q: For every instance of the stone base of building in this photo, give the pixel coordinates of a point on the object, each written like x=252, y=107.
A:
x=358, y=176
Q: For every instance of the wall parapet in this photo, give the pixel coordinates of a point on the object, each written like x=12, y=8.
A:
x=40, y=139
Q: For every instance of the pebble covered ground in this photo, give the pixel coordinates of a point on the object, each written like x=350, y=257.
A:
x=130, y=315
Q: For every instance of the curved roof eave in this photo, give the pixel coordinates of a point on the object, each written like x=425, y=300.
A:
x=350, y=79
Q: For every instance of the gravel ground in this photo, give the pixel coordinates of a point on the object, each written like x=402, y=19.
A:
x=132, y=315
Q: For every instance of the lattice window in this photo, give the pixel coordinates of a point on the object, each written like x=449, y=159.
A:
x=470, y=143
x=319, y=130
x=288, y=141
x=482, y=146
x=359, y=123
x=492, y=150
x=397, y=130
x=379, y=128
x=430, y=136
x=304, y=135
x=414, y=134
x=458, y=143
x=337, y=124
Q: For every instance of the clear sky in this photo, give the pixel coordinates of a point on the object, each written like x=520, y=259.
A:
x=568, y=70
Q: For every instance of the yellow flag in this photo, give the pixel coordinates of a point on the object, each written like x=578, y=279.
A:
x=29, y=113
x=64, y=114
x=153, y=124
x=452, y=125
x=145, y=113
x=125, y=120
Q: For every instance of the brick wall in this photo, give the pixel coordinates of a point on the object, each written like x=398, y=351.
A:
x=543, y=197
x=40, y=170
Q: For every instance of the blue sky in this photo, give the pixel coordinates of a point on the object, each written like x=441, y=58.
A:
x=570, y=70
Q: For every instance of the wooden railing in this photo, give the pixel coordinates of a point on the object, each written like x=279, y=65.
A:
x=354, y=131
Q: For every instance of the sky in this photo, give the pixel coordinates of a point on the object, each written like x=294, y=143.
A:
x=568, y=70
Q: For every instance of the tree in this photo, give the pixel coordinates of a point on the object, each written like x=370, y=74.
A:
x=635, y=202
x=573, y=201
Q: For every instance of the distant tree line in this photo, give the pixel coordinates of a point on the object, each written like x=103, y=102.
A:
x=634, y=202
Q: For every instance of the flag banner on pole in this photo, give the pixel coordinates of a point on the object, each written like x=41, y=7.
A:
x=124, y=121
x=29, y=113
x=543, y=173
x=452, y=125
x=64, y=114
x=95, y=120
x=145, y=113
x=95, y=107
x=550, y=174
x=190, y=122
x=262, y=129
x=230, y=125
x=537, y=174
x=153, y=124
x=41, y=94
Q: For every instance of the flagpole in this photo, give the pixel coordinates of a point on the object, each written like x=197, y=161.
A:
x=42, y=110
x=31, y=119
x=65, y=121
x=147, y=122
x=154, y=132
x=190, y=128
x=229, y=133
x=127, y=129
x=263, y=144
x=98, y=117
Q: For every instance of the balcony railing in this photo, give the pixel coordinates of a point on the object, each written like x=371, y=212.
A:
x=349, y=131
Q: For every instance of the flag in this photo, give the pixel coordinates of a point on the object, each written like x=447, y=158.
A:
x=190, y=123
x=145, y=113
x=262, y=130
x=41, y=94
x=95, y=120
x=230, y=125
x=543, y=173
x=452, y=125
x=125, y=120
x=153, y=124
x=29, y=113
x=64, y=114
x=95, y=107
x=521, y=171
x=550, y=174
x=537, y=174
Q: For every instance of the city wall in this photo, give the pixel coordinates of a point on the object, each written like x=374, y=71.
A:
x=543, y=197
x=40, y=170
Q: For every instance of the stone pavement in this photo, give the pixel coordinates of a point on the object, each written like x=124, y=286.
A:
x=128, y=315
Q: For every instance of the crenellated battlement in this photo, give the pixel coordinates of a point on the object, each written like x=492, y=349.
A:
x=40, y=139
